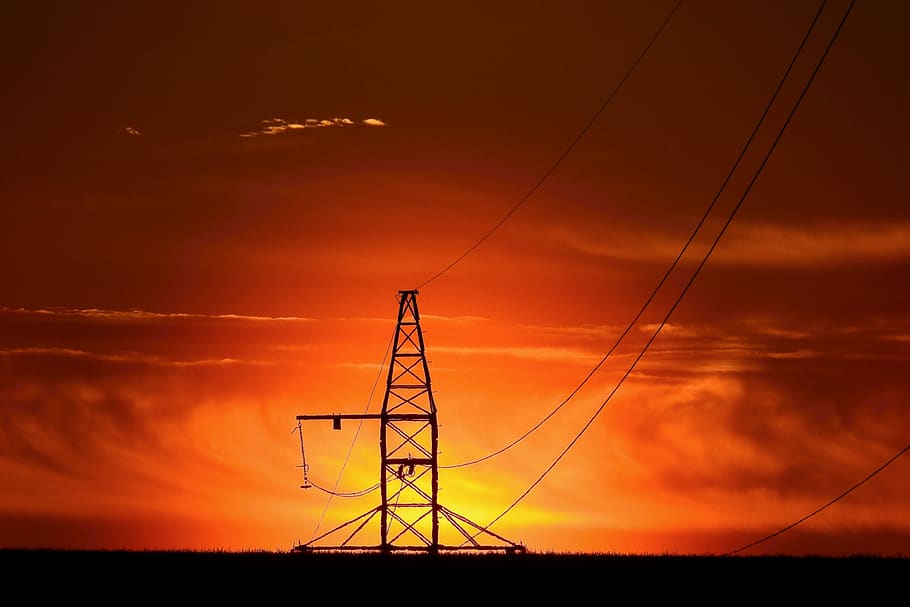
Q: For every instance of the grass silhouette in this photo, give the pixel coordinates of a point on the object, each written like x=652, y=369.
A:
x=452, y=578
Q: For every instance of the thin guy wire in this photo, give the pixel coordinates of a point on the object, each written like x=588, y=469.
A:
x=558, y=160
x=673, y=265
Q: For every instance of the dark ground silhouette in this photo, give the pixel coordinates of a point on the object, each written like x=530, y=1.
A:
x=142, y=577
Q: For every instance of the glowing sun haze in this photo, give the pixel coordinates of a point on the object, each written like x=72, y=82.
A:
x=208, y=214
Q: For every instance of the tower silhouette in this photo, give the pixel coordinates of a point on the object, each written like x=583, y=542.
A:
x=409, y=509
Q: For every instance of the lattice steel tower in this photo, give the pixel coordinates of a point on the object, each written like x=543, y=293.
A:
x=409, y=510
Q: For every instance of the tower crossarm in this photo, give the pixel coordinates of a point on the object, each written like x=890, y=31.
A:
x=405, y=417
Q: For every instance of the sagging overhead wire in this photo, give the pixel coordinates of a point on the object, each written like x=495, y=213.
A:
x=814, y=512
x=308, y=482
x=559, y=160
x=334, y=492
x=695, y=273
x=675, y=263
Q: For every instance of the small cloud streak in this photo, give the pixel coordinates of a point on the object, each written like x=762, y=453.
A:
x=128, y=357
x=130, y=131
x=759, y=244
x=368, y=366
x=755, y=339
x=462, y=319
x=141, y=315
x=814, y=246
x=523, y=352
x=277, y=126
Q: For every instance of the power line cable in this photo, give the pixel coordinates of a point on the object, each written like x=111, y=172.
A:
x=675, y=262
x=559, y=160
x=336, y=493
x=831, y=503
x=695, y=272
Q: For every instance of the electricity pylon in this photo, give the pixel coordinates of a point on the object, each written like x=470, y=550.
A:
x=409, y=509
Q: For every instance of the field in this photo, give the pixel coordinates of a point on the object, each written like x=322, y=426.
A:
x=134, y=577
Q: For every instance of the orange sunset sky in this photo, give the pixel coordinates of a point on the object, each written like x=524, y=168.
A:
x=209, y=208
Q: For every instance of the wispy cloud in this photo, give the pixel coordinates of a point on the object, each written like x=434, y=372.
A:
x=127, y=357
x=901, y=337
x=669, y=329
x=352, y=365
x=770, y=244
x=585, y=331
x=758, y=244
x=756, y=339
x=129, y=131
x=455, y=318
x=524, y=352
x=797, y=354
x=143, y=315
x=276, y=126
